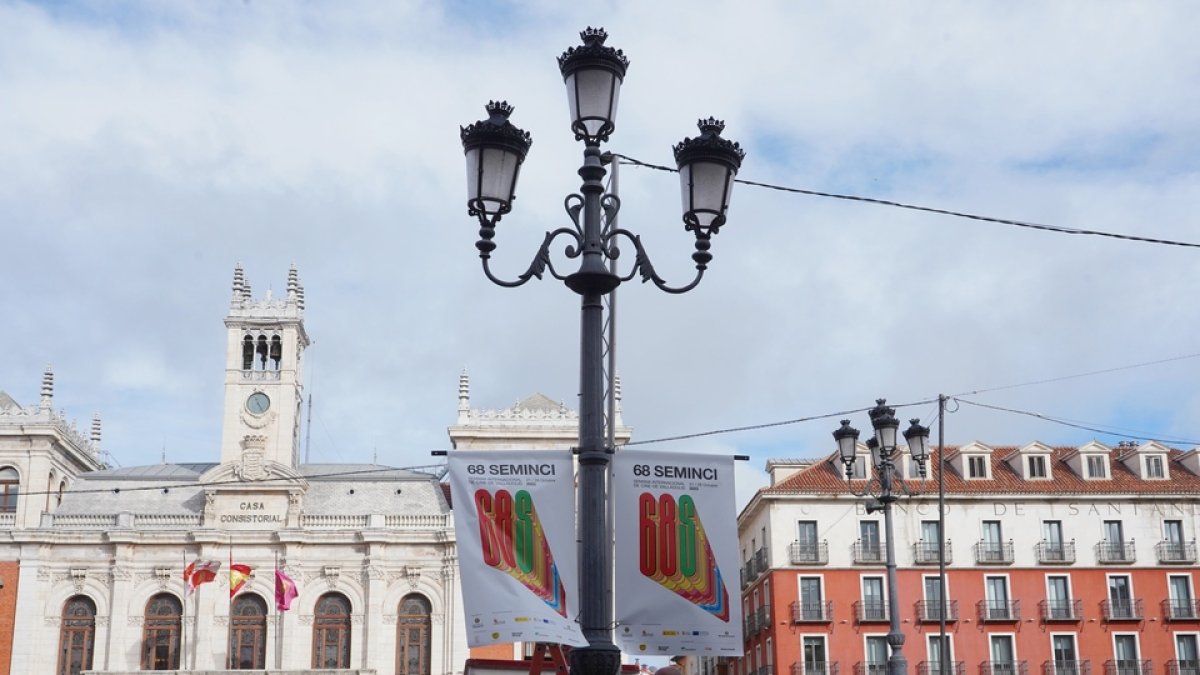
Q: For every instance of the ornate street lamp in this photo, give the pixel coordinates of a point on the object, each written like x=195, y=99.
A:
x=495, y=149
x=883, y=458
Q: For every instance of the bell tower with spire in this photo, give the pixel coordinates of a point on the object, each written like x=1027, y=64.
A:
x=263, y=374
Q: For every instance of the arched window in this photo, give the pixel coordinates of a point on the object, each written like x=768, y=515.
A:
x=62, y=487
x=10, y=487
x=331, y=632
x=160, y=635
x=261, y=350
x=412, y=636
x=247, y=353
x=77, y=636
x=276, y=352
x=248, y=633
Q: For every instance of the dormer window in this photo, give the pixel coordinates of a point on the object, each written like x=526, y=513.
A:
x=1036, y=467
x=859, y=468
x=1097, y=466
x=1155, y=467
x=977, y=466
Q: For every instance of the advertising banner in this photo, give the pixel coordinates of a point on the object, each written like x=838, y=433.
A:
x=675, y=518
x=514, y=518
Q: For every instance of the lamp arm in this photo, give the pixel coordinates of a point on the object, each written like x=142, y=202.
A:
x=541, y=260
x=643, y=265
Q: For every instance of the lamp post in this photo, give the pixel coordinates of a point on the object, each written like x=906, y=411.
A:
x=495, y=150
x=883, y=457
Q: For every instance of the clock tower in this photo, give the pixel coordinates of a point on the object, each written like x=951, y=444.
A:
x=263, y=376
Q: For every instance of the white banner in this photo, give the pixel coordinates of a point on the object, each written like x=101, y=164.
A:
x=514, y=514
x=676, y=554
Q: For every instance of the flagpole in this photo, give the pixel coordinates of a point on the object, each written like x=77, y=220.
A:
x=229, y=647
x=183, y=619
x=278, y=619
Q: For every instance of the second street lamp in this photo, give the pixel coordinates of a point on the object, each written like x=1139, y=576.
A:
x=884, y=454
x=495, y=150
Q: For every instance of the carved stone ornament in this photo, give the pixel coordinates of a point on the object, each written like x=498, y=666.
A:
x=373, y=573
x=123, y=573
x=221, y=620
x=258, y=421
x=78, y=577
x=306, y=619
x=389, y=619
x=437, y=618
x=253, y=466
x=102, y=620
x=53, y=620
x=414, y=577
x=356, y=619
x=137, y=620
x=43, y=574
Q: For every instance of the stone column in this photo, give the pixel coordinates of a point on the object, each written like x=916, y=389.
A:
x=119, y=640
x=374, y=588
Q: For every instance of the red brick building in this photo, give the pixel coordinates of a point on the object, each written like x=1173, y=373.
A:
x=1060, y=561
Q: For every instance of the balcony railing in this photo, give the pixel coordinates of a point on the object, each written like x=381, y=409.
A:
x=935, y=668
x=815, y=668
x=933, y=611
x=1055, y=552
x=999, y=610
x=1180, y=609
x=1004, y=668
x=809, y=553
x=812, y=612
x=765, y=670
x=871, y=611
x=746, y=574
x=762, y=618
x=1128, y=667
x=1176, y=552
x=994, y=552
x=871, y=668
x=926, y=553
x=1115, y=552
x=761, y=561
x=867, y=552
x=1122, y=609
x=749, y=626
x=1061, y=610
x=1183, y=667
x=1067, y=668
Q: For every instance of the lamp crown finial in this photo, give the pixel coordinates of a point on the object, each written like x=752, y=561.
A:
x=500, y=108
x=593, y=36
x=711, y=125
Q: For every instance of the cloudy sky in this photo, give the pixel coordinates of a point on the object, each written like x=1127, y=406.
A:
x=149, y=147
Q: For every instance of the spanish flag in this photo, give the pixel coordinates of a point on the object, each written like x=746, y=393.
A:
x=199, y=572
x=238, y=576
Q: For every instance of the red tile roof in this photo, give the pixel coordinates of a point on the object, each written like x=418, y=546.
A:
x=826, y=477
x=446, y=492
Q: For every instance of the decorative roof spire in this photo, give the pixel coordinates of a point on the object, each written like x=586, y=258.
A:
x=617, y=394
x=293, y=283
x=464, y=396
x=246, y=292
x=47, y=388
x=300, y=295
x=96, y=430
x=239, y=284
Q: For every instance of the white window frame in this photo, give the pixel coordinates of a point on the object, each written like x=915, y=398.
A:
x=1012, y=639
x=1074, y=639
x=1137, y=643
x=866, y=654
x=1175, y=642
x=1163, y=474
x=930, y=638
x=1087, y=466
x=1190, y=583
x=1070, y=589
x=803, y=662
x=883, y=596
x=984, y=463
x=1044, y=462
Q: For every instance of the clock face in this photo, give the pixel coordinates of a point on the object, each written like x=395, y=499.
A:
x=258, y=403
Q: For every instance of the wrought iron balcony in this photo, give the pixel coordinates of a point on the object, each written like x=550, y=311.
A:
x=1004, y=668
x=815, y=668
x=1128, y=667
x=812, y=612
x=999, y=610
x=749, y=626
x=1067, y=668
x=761, y=561
x=993, y=552
x=1183, y=667
x=935, y=668
x=926, y=553
x=809, y=553
x=1061, y=610
x=1176, y=552
x=762, y=618
x=1115, y=552
x=934, y=611
x=1055, y=552
x=765, y=670
x=1122, y=610
x=866, y=553
x=746, y=574
x=1181, y=609
x=871, y=668
x=871, y=611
